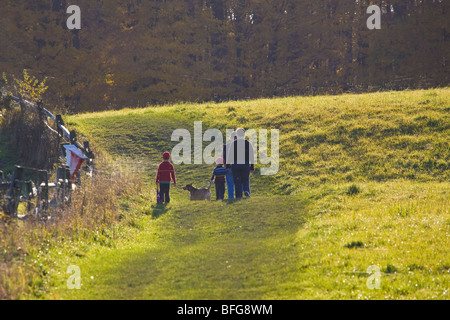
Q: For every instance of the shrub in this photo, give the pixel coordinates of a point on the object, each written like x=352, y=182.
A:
x=29, y=138
x=390, y=268
x=353, y=189
x=355, y=244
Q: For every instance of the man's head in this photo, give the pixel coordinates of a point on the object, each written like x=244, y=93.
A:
x=166, y=156
x=240, y=133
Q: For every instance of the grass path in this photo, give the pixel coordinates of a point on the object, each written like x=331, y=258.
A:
x=302, y=234
x=216, y=250
x=317, y=246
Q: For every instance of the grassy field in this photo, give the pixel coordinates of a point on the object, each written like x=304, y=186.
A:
x=363, y=182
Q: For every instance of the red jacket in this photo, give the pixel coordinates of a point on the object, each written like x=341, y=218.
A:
x=166, y=172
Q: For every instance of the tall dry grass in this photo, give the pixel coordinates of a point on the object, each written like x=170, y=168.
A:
x=95, y=207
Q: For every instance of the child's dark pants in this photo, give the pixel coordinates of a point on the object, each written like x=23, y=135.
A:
x=220, y=190
x=164, y=189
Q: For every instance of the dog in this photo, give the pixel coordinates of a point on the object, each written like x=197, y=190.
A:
x=198, y=194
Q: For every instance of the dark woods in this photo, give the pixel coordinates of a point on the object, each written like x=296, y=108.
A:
x=135, y=52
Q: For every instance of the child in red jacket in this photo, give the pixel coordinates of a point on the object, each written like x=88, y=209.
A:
x=165, y=174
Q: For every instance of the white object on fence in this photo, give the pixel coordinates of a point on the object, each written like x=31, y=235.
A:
x=74, y=159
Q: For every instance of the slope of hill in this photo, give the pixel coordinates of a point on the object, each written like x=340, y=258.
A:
x=362, y=186
x=371, y=137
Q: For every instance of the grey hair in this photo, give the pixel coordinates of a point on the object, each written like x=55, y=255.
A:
x=240, y=133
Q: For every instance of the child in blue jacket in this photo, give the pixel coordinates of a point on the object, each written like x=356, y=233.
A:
x=218, y=177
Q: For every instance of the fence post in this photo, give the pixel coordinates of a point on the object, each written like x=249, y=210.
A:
x=29, y=192
x=43, y=190
x=60, y=183
x=87, y=149
x=73, y=137
x=59, y=123
x=14, y=191
x=69, y=185
x=64, y=184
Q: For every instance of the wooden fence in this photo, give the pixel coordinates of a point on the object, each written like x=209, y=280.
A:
x=31, y=185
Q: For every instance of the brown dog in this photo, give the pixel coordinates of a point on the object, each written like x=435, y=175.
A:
x=198, y=194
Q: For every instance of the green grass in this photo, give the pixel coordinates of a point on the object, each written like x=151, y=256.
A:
x=379, y=136
x=216, y=250
x=363, y=182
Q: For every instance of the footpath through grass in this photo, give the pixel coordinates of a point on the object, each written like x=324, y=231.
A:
x=363, y=182
x=318, y=246
x=214, y=250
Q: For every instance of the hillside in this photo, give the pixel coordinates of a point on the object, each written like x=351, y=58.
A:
x=362, y=181
x=368, y=137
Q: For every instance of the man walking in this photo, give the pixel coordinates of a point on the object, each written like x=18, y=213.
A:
x=241, y=160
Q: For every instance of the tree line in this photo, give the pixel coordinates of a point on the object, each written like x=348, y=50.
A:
x=132, y=53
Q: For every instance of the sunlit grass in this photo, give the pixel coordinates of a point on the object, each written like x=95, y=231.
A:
x=379, y=136
x=400, y=227
x=363, y=181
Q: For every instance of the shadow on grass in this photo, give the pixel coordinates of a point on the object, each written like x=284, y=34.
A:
x=158, y=210
x=235, y=200
x=211, y=252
